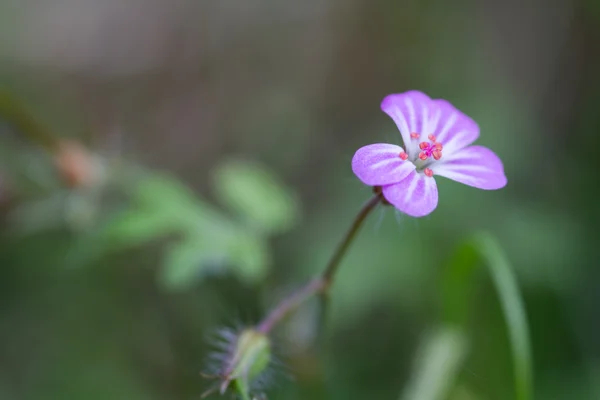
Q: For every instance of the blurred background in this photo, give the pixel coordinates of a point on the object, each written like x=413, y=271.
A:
x=170, y=167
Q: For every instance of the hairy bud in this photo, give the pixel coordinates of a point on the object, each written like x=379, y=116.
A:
x=248, y=357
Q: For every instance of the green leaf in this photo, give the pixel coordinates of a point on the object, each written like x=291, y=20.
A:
x=136, y=226
x=250, y=256
x=186, y=261
x=437, y=365
x=255, y=194
x=161, y=206
x=459, y=279
x=38, y=215
x=158, y=191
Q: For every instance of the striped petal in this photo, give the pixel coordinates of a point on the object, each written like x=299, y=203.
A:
x=380, y=164
x=416, y=195
x=413, y=112
x=475, y=166
x=453, y=129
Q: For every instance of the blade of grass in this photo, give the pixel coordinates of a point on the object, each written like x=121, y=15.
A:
x=457, y=284
x=437, y=365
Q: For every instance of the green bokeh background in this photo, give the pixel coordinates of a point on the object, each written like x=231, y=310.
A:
x=224, y=132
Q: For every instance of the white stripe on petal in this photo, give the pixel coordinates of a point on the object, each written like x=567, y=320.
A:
x=402, y=122
x=411, y=188
x=384, y=163
x=462, y=168
x=425, y=130
x=411, y=115
x=412, y=112
x=387, y=151
x=476, y=166
x=464, y=177
x=456, y=129
x=380, y=164
x=454, y=143
x=416, y=195
x=449, y=123
x=434, y=123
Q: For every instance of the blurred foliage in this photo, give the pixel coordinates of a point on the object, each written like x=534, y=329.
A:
x=119, y=254
x=457, y=281
x=206, y=240
x=253, y=193
x=438, y=363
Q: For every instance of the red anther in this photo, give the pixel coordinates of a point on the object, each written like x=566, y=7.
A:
x=438, y=146
x=422, y=155
x=437, y=154
x=423, y=145
x=431, y=137
x=428, y=172
x=415, y=135
x=403, y=156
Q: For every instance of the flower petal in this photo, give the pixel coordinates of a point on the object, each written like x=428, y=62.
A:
x=475, y=166
x=416, y=195
x=412, y=112
x=380, y=164
x=453, y=128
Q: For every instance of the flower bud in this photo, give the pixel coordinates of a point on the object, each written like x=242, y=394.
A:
x=76, y=165
x=248, y=358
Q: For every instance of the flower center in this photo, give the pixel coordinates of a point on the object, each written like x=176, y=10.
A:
x=432, y=149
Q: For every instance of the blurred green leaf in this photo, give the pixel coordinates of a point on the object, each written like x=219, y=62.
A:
x=184, y=263
x=136, y=226
x=206, y=240
x=38, y=215
x=463, y=392
x=256, y=195
x=250, y=256
x=534, y=236
x=157, y=191
x=437, y=365
x=187, y=261
x=161, y=206
x=484, y=249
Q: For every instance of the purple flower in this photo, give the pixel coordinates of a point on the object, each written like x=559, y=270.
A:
x=437, y=139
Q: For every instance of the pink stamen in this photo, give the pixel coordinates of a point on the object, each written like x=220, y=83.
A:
x=428, y=172
x=403, y=156
x=433, y=149
x=415, y=135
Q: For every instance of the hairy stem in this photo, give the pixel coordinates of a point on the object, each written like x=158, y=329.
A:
x=321, y=284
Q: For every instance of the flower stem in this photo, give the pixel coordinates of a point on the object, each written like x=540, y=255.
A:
x=334, y=262
x=290, y=303
x=321, y=284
